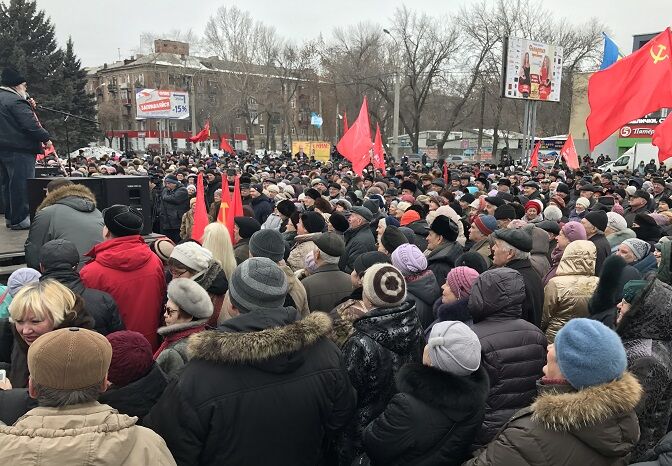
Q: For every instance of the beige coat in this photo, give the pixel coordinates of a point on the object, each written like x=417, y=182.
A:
x=303, y=244
x=567, y=294
x=296, y=290
x=86, y=434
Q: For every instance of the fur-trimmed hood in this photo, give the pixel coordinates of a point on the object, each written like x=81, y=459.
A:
x=580, y=410
x=458, y=397
x=82, y=198
x=253, y=347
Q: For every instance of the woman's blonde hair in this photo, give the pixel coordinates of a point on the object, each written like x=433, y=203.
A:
x=217, y=240
x=47, y=299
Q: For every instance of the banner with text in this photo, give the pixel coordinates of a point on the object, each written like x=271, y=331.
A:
x=153, y=103
x=321, y=150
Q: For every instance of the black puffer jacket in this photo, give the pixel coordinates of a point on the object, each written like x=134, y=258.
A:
x=265, y=388
x=100, y=305
x=423, y=290
x=174, y=204
x=442, y=259
x=20, y=130
x=137, y=398
x=646, y=331
x=431, y=421
x=382, y=342
x=513, y=350
x=533, y=307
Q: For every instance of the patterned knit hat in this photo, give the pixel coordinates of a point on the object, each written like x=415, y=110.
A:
x=460, y=280
x=486, y=224
x=384, y=286
x=638, y=247
x=409, y=259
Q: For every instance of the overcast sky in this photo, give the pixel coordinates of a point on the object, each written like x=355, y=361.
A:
x=101, y=28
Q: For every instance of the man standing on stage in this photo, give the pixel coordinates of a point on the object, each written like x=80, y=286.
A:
x=21, y=139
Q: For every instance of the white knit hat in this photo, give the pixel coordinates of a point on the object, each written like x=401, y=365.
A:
x=192, y=255
x=616, y=221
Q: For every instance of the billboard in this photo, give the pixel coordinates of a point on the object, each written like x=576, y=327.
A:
x=532, y=70
x=320, y=149
x=640, y=128
x=154, y=103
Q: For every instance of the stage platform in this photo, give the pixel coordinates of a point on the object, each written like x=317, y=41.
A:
x=12, y=256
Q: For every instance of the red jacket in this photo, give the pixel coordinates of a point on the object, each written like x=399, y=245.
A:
x=127, y=269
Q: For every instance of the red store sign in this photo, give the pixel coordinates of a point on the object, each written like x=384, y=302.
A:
x=637, y=131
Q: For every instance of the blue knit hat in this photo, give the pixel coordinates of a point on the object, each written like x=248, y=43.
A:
x=589, y=353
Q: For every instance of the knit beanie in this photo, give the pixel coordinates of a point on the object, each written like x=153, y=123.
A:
x=286, y=208
x=392, y=238
x=384, y=286
x=258, y=284
x=574, y=231
x=122, y=220
x=618, y=208
x=486, y=224
x=20, y=278
x=454, y=348
x=131, y=357
x=409, y=259
x=313, y=222
x=583, y=202
x=638, y=247
x=558, y=200
x=598, y=218
x=409, y=217
x=268, y=243
x=190, y=297
x=11, y=77
x=552, y=213
x=339, y=222
x=616, y=222
x=247, y=226
x=460, y=280
x=589, y=353
x=192, y=255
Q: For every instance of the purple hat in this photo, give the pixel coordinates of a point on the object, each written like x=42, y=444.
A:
x=409, y=259
x=574, y=231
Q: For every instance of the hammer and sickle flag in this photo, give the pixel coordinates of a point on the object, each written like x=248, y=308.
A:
x=631, y=88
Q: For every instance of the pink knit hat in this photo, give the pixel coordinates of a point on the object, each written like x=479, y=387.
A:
x=460, y=280
x=618, y=208
x=409, y=259
x=574, y=231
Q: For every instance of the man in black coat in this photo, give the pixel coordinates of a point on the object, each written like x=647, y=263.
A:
x=595, y=223
x=174, y=204
x=512, y=249
x=21, y=138
x=358, y=238
x=261, y=204
x=264, y=388
x=58, y=261
x=214, y=183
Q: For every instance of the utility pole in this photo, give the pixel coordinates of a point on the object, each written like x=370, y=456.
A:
x=397, y=93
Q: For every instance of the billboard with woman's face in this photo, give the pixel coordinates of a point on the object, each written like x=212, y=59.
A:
x=532, y=70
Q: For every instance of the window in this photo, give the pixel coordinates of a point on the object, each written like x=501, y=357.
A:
x=292, y=103
x=262, y=130
x=237, y=129
x=293, y=131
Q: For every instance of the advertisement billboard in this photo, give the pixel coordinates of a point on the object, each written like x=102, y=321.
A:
x=641, y=128
x=154, y=103
x=320, y=149
x=532, y=70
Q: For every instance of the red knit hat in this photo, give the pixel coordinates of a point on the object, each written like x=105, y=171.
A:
x=132, y=357
x=533, y=205
x=409, y=217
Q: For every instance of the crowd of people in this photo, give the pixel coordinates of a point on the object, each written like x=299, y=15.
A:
x=474, y=314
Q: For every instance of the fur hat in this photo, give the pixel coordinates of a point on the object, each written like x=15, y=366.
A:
x=339, y=222
x=505, y=212
x=11, y=77
x=384, y=286
x=192, y=255
x=409, y=259
x=190, y=297
x=473, y=260
x=454, y=348
x=258, y=284
x=460, y=280
x=247, y=226
x=589, y=353
x=553, y=213
x=122, y=220
x=444, y=226
x=132, y=357
x=313, y=222
x=267, y=243
x=286, y=208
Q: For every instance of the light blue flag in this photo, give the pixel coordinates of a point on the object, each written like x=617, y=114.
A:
x=611, y=53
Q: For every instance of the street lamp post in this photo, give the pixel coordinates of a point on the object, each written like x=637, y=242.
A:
x=397, y=92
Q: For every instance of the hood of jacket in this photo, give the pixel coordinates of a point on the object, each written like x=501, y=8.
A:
x=125, y=253
x=457, y=397
x=618, y=237
x=397, y=329
x=578, y=258
x=540, y=241
x=77, y=196
x=649, y=316
x=258, y=347
x=67, y=277
x=419, y=227
x=578, y=412
x=497, y=293
x=423, y=287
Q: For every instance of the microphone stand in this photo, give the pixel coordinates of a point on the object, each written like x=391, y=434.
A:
x=65, y=123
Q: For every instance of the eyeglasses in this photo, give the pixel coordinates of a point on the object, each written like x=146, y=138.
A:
x=175, y=272
x=169, y=311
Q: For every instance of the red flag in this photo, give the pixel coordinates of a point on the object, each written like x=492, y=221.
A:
x=235, y=207
x=224, y=203
x=47, y=150
x=568, y=152
x=662, y=138
x=445, y=173
x=200, y=211
x=203, y=135
x=378, y=153
x=356, y=143
x=345, y=122
x=534, y=157
x=226, y=147
x=630, y=88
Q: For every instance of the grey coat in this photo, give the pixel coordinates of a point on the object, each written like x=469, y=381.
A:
x=66, y=213
x=326, y=287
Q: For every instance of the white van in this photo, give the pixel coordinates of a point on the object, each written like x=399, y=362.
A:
x=640, y=152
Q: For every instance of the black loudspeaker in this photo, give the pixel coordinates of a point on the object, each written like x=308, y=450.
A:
x=108, y=190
